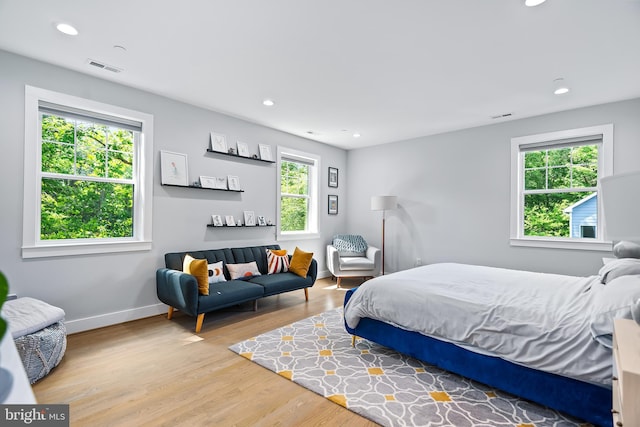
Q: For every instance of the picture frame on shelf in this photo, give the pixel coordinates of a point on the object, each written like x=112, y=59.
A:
x=332, y=205
x=233, y=182
x=262, y=221
x=249, y=218
x=219, y=142
x=174, y=168
x=243, y=149
x=265, y=152
x=207, y=181
x=333, y=177
x=231, y=222
x=221, y=183
x=216, y=220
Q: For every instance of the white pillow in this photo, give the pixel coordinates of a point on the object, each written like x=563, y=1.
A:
x=619, y=299
x=246, y=270
x=619, y=267
x=216, y=272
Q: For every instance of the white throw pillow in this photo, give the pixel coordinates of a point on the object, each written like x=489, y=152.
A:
x=216, y=272
x=239, y=271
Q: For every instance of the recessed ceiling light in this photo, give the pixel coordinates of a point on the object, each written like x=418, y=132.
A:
x=268, y=103
x=532, y=3
x=67, y=29
x=560, y=87
x=356, y=135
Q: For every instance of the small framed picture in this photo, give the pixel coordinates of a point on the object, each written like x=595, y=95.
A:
x=243, y=149
x=216, y=220
x=333, y=205
x=221, y=182
x=265, y=152
x=208, y=181
x=218, y=142
x=262, y=221
x=173, y=167
x=233, y=182
x=231, y=222
x=249, y=218
x=333, y=177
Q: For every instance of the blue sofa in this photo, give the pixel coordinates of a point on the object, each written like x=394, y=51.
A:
x=180, y=290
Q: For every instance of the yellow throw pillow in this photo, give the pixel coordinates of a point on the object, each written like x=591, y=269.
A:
x=300, y=262
x=200, y=270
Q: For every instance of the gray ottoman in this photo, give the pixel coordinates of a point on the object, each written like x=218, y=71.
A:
x=39, y=334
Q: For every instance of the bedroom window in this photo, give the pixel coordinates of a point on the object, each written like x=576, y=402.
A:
x=554, y=188
x=87, y=189
x=298, y=194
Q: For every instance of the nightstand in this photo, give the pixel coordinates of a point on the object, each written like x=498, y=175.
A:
x=626, y=376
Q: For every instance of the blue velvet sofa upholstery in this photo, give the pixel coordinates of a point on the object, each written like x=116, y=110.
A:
x=179, y=290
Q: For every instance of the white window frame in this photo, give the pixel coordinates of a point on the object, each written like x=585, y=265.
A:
x=313, y=231
x=32, y=245
x=605, y=168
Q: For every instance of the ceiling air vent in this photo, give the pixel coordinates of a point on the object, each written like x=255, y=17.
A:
x=502, y=116
x=103, y=66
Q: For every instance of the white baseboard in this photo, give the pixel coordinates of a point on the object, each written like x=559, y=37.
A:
x=108, y=319
x=323, y=274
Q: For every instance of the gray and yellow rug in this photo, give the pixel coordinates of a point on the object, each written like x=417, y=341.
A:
x=382, y=385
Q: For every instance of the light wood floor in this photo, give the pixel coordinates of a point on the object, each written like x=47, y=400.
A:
x=157, y=372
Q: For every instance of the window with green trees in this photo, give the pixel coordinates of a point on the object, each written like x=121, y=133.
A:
x=298, y=207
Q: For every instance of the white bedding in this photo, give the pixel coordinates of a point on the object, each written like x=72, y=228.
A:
x=543, y=321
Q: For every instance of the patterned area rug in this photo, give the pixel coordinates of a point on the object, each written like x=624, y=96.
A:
x=383, y=385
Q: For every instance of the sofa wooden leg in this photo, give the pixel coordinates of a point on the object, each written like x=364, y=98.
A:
x=339, y=279
x=199, y=321
x=255, y=305
x=353, y=340
x=306, y=294
x=170, y=313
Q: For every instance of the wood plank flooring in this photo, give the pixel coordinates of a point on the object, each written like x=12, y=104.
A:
x=158, y=372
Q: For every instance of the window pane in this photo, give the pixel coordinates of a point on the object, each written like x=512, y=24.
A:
x=120, y=140
x=535, y=179
x=544, y=214
x=120, y=165
x=585, y=176
x=559, y=177
x=294, y=178
x=57, y=157
x=535, y=159
x=56, y=128
x=293, y=214
x=72, y=209
x=560, y=157
x=585, y=155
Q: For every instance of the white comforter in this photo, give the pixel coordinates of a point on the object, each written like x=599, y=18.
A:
x=538, y=320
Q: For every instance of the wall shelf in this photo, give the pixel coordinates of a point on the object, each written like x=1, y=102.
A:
x=240, y=226
x=236, y=156
x=203, y=188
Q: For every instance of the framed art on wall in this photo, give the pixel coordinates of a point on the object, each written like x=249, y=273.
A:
x=265, y=152
x=243, y=149
x=231, y=222
x=249, y=218
x=221, y=182
x=216, y=220
x=234, y=182
x=218, y=142
x=333, y=177
x=262, y=221
x=173, y=167
x=208, y=181
x=333, y=205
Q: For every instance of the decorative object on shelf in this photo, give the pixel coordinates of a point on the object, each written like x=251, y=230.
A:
x=262, y=221
x=239, y=222
x=249, y=218
x=243, y=149
x=231, y=222
x=234, y=182
x=221, y=182
x=208, y=181
x=333, y=205
x=333, y=177
x=383, y=203
x=218, y=142
x=265, y=152
x=216, y=220
x=173, y=167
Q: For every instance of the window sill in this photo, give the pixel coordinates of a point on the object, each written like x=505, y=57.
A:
x=298, y=236
x=84, y=248
x=576, y=244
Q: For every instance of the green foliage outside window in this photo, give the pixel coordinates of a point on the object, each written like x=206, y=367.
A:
x=87, y=190
x=294, y=190
x=552, y=172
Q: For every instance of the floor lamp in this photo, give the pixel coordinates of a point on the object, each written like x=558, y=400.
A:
x=384, y=204
x=621, y=208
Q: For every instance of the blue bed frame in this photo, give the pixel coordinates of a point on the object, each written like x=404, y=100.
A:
x=582, y=400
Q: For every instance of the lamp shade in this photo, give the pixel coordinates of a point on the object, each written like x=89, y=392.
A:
x=384, y=203
x=620, y=196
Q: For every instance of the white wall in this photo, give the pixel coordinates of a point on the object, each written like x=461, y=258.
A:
x=96, y=290
x=453, y=192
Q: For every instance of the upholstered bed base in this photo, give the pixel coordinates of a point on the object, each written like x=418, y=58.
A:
x=586, y=401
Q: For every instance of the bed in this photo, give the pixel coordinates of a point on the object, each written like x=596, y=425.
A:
x=543, y=337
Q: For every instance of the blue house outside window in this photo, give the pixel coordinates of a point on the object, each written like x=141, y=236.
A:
x=583, y=217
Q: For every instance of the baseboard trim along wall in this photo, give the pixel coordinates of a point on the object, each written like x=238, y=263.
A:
x=108, y=319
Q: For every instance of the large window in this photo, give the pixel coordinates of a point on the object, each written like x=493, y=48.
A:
x=554, y=189
x=298, y=194
x=86, y=190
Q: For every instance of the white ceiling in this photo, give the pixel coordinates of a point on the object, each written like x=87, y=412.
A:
x=388, y=69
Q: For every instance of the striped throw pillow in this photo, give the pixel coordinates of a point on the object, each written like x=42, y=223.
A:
x=277, y=261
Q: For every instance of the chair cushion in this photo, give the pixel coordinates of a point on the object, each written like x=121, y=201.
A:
x=356, y=263
x=349, y=245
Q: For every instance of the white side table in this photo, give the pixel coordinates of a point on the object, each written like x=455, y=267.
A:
x=21, y=392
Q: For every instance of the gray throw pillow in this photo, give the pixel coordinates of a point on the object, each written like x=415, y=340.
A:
x=626, y=249
x=619, y=267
